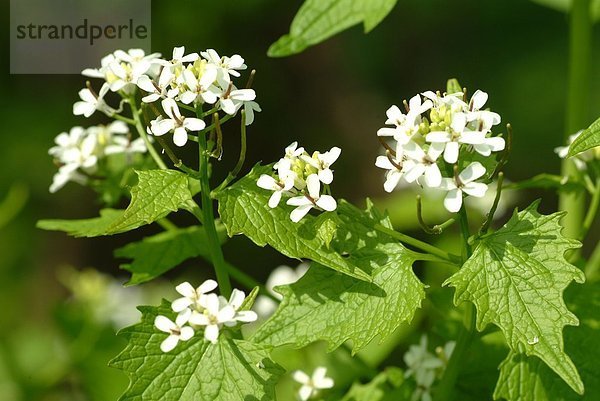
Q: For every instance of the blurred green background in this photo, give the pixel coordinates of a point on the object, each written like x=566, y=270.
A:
x=54, y=344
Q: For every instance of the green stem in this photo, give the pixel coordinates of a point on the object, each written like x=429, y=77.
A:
x=240, y=163
x=592, y=268
x=417, y=243
x=124, y=119
x=214, y=245
x=580, y=38
x=446, y=388
x=142, y=132
x=591, y=212
x=490, y=216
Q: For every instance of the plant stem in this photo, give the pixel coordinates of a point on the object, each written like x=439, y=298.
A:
x=445, y=390
x=592, y=268
x=417, y=243
x=214, y=246
x=580, y=37
x=142, y=132
x=591, y=212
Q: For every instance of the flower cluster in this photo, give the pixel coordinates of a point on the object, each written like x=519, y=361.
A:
x=198, y=307
x=78, y=152
x=440, y=131
x=425, y=367
x=312, y=385
x=185, y=81
x=299, y=177
x=582, y=159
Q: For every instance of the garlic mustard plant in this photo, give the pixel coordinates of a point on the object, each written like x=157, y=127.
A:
x=163, y=151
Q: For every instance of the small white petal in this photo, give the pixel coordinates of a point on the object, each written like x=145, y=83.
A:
x=453, y=200
x=300, y=377
x=267, y=182
x=274, y=199
x=246, y=316
x=211, y=333
x=207, y=286
x=472, y=172
x=392, y=181
x=476, y=189
x=186, y=333
x=326, y=176
x=237, y=298
x=163, y=323
x=327, y=203
x=180, y=304
x=194, y=124
x=169, y=343
x=438, y=136
x=313, y=186
x=305, y=393
x=433, y=176
x=451, y=152
x=478, y=99
x=298, y=213
x=186, y=289
x=180, y=136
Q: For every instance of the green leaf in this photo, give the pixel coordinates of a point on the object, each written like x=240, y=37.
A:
x=318, y=20
x=526, y=378
x=547, y=181
x=244, y=210
x=330, y=306
x=388, y=385
x=589, y=138
x=515, y=278
x=86, y=227
x=157, y=193
x=230, y=370
x=158, y=254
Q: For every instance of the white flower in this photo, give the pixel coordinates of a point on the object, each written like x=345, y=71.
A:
x=311, y=385
x=282, y=275
x=200, y=88
x=156, y=90
x=102, y=71
x=123, y=72
x=226, y=65
x=90, y=102
x=66, y=173
x=464, y=182
x=232, y=100
x=214, y=316
x=122, y=144
x=235, y=301
x=395, y=171
x=423, y=366
x=423, y=164
x=484, y=120
x=177, y=123
x=458, y=134
x=322, y=162
x=292, y=152
x=249, y=108
x=313, y=199
x=192, y=297
x=280, y=187
x=407, y=125
x=178, y=58
x=176, y=330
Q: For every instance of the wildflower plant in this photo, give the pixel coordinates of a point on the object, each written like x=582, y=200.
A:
x=358, y=286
